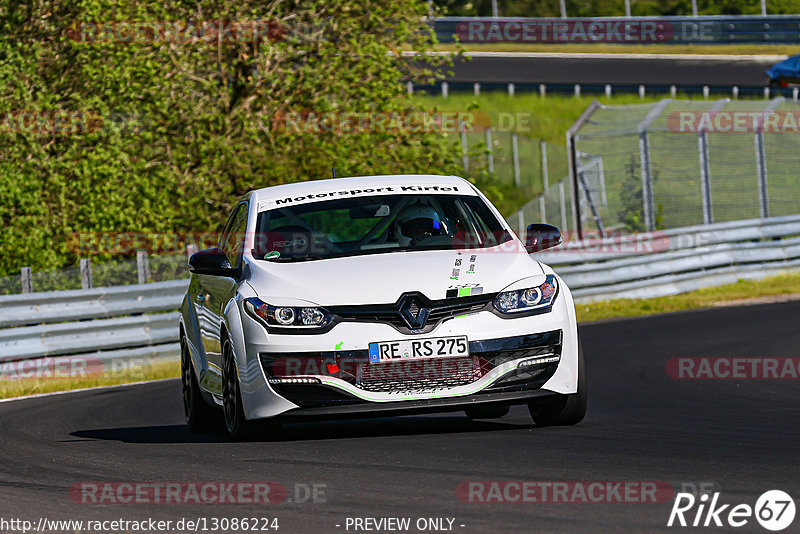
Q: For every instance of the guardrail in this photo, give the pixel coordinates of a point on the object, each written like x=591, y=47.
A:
x=139, y=322
x=665, y=263
x=445, y=88
x=717, y=29
x=136, y=322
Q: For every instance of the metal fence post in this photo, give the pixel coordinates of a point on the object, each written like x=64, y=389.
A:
x=515, y=156
x=511, y=89
x=761, y=169
x=142, y=267
x=490, y=150
x=705, y=167
x=647, y=182
x=648, y=201
x=476, y=89
x=563, y=205
x=761, y=157
x=26, y=279
x=545, y=176
x=410, y=88
x=190, y=249
x=521, y=224
x=464, y=147
x=542, y=214
x=86, y=273
x=572, y=163
x=542, y=90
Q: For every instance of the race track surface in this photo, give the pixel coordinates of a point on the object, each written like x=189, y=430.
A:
x=742, y=436
x=597, y=71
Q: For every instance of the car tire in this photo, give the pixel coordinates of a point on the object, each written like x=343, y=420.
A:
x=200, y=416
x=565, y=409
x=239, y=428
x=486, y=412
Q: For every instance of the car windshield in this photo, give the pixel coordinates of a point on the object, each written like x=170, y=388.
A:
x=376, y=225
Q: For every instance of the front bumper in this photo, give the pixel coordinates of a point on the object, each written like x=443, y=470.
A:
x=345, y=345
x=337, y=379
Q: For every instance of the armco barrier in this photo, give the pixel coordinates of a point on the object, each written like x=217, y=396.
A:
x=684, y=260
x=125, y=324
x=141, y=323
x=74, y=305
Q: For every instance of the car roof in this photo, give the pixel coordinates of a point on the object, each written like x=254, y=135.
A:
x=360, y=182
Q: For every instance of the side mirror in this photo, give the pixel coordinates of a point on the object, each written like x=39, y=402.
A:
x=542, y=236
x=212, y=261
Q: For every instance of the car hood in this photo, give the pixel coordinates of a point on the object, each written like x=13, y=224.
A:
x=383, y=278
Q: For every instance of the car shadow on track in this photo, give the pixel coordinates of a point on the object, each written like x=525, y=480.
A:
x=333, y=429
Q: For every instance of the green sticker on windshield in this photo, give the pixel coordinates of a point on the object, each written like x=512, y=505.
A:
x=272, y=255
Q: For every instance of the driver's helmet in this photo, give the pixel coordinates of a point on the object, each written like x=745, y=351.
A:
x=416, y=223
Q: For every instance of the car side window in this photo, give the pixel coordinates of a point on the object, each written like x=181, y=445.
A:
x=232, y=242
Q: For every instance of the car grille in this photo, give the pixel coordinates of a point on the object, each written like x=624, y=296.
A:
x=420, y=375
x=439, y=310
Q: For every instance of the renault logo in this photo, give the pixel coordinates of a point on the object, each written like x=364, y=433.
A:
x=414, y=313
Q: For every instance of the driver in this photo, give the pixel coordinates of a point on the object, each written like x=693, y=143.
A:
x=416, y=223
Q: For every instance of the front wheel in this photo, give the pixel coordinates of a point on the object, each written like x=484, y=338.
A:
x=565, y=409
x=239, y=428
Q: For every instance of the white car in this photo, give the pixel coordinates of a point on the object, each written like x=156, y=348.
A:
x=376, y=295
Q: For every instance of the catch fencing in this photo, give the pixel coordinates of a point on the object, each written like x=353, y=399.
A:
x=673, y=164
x=140, y=269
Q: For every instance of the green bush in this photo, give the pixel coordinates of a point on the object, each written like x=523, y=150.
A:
x=180, y=129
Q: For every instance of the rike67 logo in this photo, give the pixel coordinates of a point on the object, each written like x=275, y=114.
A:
x=774, y=510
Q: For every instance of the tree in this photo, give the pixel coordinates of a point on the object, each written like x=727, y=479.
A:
x=166, y=129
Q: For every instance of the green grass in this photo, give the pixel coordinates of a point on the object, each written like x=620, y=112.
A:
x=550, y=117
x=32, y=386
x=674, y=157
x=774, y=286
x=599, y=48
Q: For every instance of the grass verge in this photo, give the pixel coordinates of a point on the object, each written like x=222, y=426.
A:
x=18, y=387
x=771, y=288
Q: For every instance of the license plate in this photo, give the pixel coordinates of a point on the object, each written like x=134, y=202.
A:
x=441, y=347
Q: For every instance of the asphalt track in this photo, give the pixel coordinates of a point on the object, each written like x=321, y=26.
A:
x=534, y=69
x=741, y=435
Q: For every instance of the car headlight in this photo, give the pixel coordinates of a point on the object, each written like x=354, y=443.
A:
x=531, y=298
x=287, y=316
